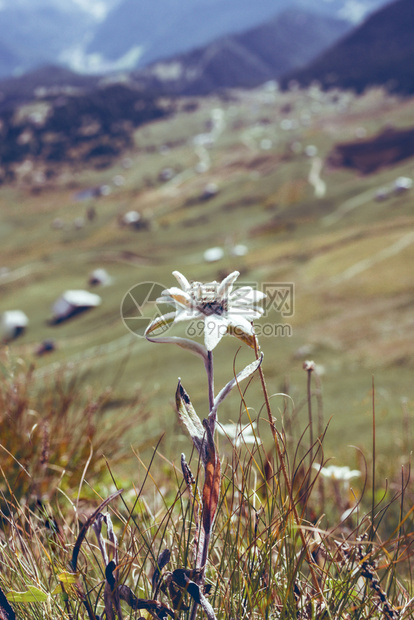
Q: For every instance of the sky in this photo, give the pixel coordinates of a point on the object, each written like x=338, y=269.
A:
x=97, y=8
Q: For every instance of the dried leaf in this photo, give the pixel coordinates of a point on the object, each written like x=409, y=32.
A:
x=211, y=489
x=86, y=526
x=109, y=574
x=177, y=597
x=182, y=576
x=97, y=528
x=156, y=609
x=194, y=591
x=248, y=339
x=162, y=562
x=187, y=473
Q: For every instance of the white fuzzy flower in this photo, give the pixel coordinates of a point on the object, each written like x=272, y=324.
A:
x=222, y=309
x=334, y=472
x=237, y=434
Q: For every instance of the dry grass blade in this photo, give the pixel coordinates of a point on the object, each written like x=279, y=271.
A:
x=87, y=525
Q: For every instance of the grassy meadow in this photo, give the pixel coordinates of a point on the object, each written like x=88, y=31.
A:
x=350, y=259
x=354, y=325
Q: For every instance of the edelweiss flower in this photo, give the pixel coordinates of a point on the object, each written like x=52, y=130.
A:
x=222, y=309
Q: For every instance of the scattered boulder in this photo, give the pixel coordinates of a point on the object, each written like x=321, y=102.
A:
x=166, y=174
x=134, y=219
x=78, y=223
x=213, y=255
x=91, y=213
x=47, y=346
x=239, y=250
x=402, y=185
x=13, y=323
x=382, y=193
x=118, y=180
x=73, y=302
x=99, y=277
x=311, y=150
x=209, y=191
x=58, y=223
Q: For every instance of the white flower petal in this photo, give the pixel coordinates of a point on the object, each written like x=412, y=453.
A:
x=182, y=280
x=251, y=314
x=239, y=322
x=215, y=327
x=246, y=295
x=165, y=299
x=179, y=296
x=160, y=322
x=187, y=314
x=226, y=285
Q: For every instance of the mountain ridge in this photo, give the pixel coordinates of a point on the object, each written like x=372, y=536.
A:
x=379, y=52
x=247, y=59
x=182, y=26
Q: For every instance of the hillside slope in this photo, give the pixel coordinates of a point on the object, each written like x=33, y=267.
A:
x=298, y=220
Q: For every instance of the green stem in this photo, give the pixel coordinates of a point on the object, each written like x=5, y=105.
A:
x=210, y=379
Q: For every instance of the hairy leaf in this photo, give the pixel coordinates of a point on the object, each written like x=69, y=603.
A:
x=190, y=419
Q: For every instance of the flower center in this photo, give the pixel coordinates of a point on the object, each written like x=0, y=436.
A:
x=206, y=299
x=212, y=307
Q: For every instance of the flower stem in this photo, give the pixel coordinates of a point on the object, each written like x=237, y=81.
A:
x=212, y=422
x=210, y=379
x=309, y=394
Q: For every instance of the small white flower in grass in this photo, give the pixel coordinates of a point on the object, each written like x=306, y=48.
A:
x=238, y=434
x=222, y=309
x=334, y=472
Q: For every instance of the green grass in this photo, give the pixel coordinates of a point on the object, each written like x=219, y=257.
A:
x=281, y=545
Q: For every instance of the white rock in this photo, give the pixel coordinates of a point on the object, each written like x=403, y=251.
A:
x=213, y=254
x=73, y=301
x=12, y=324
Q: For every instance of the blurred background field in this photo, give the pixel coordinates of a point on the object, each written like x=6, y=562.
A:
x=230, y=171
